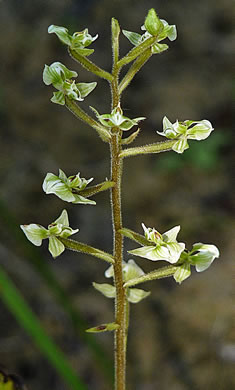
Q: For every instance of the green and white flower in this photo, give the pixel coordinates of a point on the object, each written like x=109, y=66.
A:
x=130, y=271
x=117, y=119
x=67, y=188
x=61, y=78
x=60, y=228
x=165, y=246
x=153, y=26
x=182, y=131
x=77, y=42
x=201, y=256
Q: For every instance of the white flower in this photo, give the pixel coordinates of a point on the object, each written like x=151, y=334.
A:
x=182, y=131
x=201, y=256
x=130, y=271
x=60, y=228
x=165, y=245
x=67, y=188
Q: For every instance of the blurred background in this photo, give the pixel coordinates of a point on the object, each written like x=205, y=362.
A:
x=181, y=337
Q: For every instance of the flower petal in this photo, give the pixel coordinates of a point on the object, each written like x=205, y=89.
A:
x=206, y=254
x=181, y=145
x=182, y=273
x=61, y=32
x=58, y=98
x=175, y=249
x=159, y=48
x=171, y=234
x=35, y=233
x=201, y=130
x=133, y=37
x=135, y=295
x=86, y=88
x=63, y=219
x=106, y=289
x=131, y=270
x=109, y=273
x=151, y=252
x=55, y=246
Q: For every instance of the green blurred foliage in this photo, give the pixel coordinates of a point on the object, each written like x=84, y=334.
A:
x=181, y=337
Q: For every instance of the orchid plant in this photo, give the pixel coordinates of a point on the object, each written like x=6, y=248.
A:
x=153, y=245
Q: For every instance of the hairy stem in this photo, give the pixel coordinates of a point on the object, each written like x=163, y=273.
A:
x=120, y=301
x=148, y=149
x=116, y=175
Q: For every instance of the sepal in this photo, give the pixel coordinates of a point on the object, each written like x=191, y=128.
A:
x=152, y=23
x=106, y=289
x=135, y=295
x=203, y=255
x=183, y=272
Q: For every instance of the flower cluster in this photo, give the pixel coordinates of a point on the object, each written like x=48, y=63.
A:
x=165, y=247
x=130, y=271
x=60, y=228
x=77, y=42
x=117, y=119
x=182, y=131
x=67, y=188
x=153, y=26
x=61, y=78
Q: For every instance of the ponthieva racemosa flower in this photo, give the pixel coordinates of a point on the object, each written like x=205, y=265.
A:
x=77, y=42
x=67, y=188
x=164, y=246
x=117, y=119
x=130, y=271
x=60, y=228
x=153, y=26
x=61, y=78
x=182, y=131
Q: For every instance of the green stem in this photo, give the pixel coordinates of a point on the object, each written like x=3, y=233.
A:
x=89, y=250
x=148, y=149
x=136, y=51
x=82, y=115
x=93, y=190
x=90, y=66
x=116, y=175
x=135, y=67
x=135, y=237
x=120, y=300
x=164, y=272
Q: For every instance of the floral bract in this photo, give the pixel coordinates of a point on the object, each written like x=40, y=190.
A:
x=60, y=228
x=77, y=42
x=181, y=131
x=165, y=246
x=67, y=188
x=61, y=78
x=153, y=26
x=117, y=119
x=130, y=271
